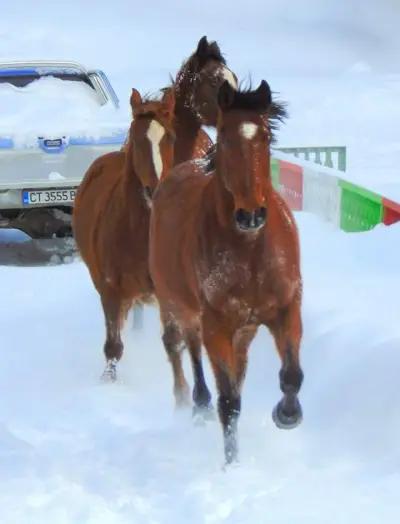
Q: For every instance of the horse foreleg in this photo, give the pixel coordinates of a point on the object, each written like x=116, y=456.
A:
x=201, y=394
x=224, y=363
x=173, y=344
x=287, y=331
x=113, y=347
x=241, y=342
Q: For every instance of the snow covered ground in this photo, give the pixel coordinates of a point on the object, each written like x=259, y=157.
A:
x=75, y=451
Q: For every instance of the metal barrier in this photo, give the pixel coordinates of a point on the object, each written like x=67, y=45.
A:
x=305, y=186
x=329, y=156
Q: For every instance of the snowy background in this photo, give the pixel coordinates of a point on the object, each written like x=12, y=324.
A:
x=73, y=451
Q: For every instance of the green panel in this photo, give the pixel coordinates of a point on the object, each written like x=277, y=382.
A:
x=275, y=173
x=360, y=209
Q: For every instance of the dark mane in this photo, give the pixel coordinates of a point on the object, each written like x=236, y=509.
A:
x=250, y=100
x=277, y=115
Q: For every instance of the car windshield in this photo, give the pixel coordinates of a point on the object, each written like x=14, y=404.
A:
x=24, y=77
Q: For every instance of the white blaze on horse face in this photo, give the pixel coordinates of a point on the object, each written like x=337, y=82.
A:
x=248, y=130
x=155, y=134
x=229, y=77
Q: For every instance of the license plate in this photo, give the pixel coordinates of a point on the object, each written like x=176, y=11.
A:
x=48, y=196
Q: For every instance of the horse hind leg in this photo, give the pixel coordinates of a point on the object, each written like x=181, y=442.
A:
x=173, y=344
x=113, y=308
x=202, y=409
x=287, y=332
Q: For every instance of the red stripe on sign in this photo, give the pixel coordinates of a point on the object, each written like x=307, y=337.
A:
x=291, y=184
x=391, y=211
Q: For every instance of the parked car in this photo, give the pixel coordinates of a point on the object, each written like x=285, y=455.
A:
x=38, y=180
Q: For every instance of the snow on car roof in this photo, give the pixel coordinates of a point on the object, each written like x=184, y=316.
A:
x=54, y=107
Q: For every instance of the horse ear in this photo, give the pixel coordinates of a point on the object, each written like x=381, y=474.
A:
x=264, y=93
x=202, y=47
x=136, y=99
x=226, y=96
x=168, y=101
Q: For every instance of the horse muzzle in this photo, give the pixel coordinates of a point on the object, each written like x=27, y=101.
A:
x=250, y=220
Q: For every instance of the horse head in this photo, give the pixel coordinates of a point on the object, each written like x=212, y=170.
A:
x=200, y=78
x=151, y=138
x=243, y=157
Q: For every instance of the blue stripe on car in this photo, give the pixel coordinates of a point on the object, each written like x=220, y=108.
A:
x=86, y=141
x=17, y=72
x=6, y=143
x=117, y=139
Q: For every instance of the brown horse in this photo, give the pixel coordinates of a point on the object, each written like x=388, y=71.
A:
x=111, y=228
x=224, y=259
x=111, y=215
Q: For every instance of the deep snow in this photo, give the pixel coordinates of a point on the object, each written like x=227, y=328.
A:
x=73, y=450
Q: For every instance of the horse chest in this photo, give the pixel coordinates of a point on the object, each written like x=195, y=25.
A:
x=228, y=284
x=247, y=289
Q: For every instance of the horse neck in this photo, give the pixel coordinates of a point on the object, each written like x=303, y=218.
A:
x=131, y=181
x=187, y=130
x=187, y=121
x=183, y=95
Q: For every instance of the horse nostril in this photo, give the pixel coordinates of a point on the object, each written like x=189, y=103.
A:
x=250, y=220
x=241, y=216
x=260, y=216
x=148, y=192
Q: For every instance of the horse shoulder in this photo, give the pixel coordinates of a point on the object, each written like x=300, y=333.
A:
x=279, y=275
x=92, y=216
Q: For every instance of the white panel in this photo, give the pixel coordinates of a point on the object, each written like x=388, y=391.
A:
x=321, y=195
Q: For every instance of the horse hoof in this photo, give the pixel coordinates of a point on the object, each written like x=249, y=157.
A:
x=203, y=414
x=110, y=373
x=182, y=403
x=283, y=421
x=230, y=464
